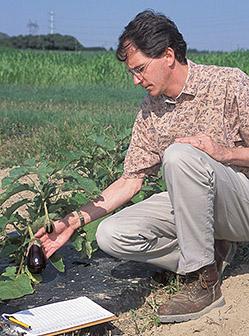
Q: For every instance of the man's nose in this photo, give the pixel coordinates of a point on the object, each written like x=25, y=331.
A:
x=136, y=79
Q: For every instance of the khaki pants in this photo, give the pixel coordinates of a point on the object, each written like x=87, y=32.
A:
x=175, y=230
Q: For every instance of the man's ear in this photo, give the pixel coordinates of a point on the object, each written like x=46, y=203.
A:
x=169, y=55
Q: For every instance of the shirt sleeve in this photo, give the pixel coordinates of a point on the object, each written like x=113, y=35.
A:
x=142, y=157
x=242, y=97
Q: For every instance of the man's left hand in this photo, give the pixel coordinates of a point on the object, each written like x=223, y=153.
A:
x=206, y=144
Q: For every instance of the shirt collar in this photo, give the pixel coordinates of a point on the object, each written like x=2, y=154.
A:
x=190, y=86
x=191, y=83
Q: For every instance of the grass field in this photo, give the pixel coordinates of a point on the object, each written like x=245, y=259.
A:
x=38, y=122
x=58, y=106
x=50, y=102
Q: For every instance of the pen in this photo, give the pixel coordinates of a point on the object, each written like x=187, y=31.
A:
x=12, y=319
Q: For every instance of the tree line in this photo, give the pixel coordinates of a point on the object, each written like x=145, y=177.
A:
x=44, y=42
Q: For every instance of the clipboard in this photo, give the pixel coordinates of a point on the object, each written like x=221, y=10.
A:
x=62, y=317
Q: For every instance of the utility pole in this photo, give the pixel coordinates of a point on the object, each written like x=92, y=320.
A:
x=51, y=22
x=32, y=27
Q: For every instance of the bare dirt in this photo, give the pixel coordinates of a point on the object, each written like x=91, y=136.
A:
x=232, y=319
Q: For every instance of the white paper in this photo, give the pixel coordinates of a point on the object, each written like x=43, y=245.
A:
x=61, y=315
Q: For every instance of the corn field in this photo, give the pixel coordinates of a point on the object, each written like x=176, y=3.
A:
x=237, y=59
x=70, y=69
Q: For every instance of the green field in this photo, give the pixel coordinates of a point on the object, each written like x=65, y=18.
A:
x=73, y=114
x=51, y=102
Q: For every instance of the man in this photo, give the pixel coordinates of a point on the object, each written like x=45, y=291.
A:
x=194, y=122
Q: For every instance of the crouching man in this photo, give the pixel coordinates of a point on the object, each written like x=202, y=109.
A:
x=194, y=123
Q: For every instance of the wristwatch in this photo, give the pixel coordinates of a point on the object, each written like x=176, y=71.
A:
x=81, y=217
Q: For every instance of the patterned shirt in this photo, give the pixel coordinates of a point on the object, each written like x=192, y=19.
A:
x=214, y=101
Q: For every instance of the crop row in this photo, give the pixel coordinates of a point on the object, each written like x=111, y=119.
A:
x=44, y=68
x=50, y=68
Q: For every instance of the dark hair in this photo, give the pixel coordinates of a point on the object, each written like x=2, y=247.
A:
x=152, y=33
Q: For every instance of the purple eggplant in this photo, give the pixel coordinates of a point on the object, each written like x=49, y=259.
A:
x=49, y=227
x=36, y=260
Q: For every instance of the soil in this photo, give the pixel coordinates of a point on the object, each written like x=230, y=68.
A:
x=231, y=319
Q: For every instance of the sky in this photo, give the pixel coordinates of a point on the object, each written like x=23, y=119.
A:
x=205, y=24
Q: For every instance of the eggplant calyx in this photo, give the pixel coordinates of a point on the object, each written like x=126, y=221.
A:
x=49, y=227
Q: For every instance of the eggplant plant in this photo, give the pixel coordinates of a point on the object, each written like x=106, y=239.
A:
x=34, y=195
x=37, y=193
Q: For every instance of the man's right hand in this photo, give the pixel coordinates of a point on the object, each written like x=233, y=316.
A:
x=62, y=231
x=117, y=194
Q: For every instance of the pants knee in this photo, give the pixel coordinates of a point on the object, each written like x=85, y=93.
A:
x=105, y=234
x=185, y=156
x=121, y=238
x=177, y=152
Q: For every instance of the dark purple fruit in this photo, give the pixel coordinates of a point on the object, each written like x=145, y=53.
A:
x=49, y=228
x=36, y=260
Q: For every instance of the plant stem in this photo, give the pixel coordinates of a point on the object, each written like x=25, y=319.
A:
x=47, y=220
x=32, y=237
x=20, y=266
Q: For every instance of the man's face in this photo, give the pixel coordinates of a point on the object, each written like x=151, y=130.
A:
x=153, y=74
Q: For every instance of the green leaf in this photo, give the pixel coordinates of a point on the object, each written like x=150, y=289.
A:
x=35, y=278
x=18, y=171
x=87, y=184
x=91, y=229
x=17, y=188
x=8, y=249
x=70, y=185
x=79, y=198
x=10, y=272
x=88, y=249
x=106, y=143
x=76, y=241
x=44, y=171
x=38, y=223
x=14, y=175
x=15, y=288
x=10, y=210
x=49, y=190
x=75, y=181
x=148, y=187
x=5, y=182
x=56, y=207
x=162, y=185
x=69, y=158
x=30, y=162
x=57, y=261
x=139, y=197
x=3, y=222
x=126, y=132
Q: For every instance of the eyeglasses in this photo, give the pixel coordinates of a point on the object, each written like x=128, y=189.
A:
x=140, y=70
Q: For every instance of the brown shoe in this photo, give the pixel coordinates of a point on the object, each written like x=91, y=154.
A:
x=224, y=253
x=200, y=294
